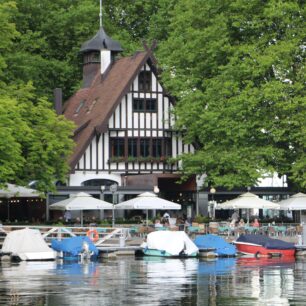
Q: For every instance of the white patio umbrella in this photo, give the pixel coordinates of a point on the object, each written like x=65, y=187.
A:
x=295, y=202
x=148, y=201
x=15, y=191
x=248, y=201
x=81, y=201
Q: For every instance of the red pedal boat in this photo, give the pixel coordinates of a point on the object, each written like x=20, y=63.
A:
x=259, y=245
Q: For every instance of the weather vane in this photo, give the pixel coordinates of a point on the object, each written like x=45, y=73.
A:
x=100, y=15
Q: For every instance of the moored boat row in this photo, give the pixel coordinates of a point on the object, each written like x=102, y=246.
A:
x=28, y=244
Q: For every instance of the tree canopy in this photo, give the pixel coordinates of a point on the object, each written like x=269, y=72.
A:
x=34, y=142
x=237, y=69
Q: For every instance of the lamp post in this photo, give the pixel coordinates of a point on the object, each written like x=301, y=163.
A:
x=102, y=188
x=212, y=206
x=200, y=179
x=113, y=188
x=102, y=192
x=156, y=191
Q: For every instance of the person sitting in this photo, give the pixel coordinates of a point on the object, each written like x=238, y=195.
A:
x=166, y=215
x=241, y=223
x=255, y=223
x=157, y=224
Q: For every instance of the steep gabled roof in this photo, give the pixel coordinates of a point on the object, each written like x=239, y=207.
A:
x=90, y=108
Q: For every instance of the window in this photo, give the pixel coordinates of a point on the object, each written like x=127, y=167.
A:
x=140, y=148
x=151, y=105
x=132, y=147
x=138, y=105
x=82, y=103
x=144, y=105
x=144, y=81
x=117, y=147
x=168, y=147
x=156, y=147
x=144, y=147
x=93, y=57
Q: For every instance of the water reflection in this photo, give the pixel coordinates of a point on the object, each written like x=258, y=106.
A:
x=22, y=283
x=217, y=266
x=155, y=281
x=266, y=280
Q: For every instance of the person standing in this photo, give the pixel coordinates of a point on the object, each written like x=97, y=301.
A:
x=235, y=217
x=67, y=216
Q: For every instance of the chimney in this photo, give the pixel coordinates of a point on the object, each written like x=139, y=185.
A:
x=58, y=100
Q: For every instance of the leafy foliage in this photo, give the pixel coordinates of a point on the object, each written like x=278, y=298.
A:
x=237, y=69
x=34, y=142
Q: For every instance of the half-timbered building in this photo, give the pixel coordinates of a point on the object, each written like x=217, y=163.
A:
x=124, y=131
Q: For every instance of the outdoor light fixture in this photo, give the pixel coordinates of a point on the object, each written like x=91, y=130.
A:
x=212, y=203
x=156, y=189
x=200, y=179
x=113, y=189
x=102, y=188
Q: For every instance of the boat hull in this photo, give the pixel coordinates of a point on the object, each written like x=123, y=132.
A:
x=159, y=253
x=259, y=250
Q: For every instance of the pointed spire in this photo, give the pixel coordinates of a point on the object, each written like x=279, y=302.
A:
x=101, y=41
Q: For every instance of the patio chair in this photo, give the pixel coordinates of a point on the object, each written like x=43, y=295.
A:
x=272, y=231
x=290, y=231
x=239, y=231
x=223, y=230
x=193, y=230
x=299, y=229
x=162, y=228
x=280, y=230
x=202, y=229
x=251, y=229
x=213, y=227
x=134, y=230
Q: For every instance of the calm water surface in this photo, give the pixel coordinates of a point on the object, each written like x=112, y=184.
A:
x=155, y=281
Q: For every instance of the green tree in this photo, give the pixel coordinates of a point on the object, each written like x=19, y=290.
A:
x=52, y=31
x=7, y=32
x=35, y=143
x=237, y=69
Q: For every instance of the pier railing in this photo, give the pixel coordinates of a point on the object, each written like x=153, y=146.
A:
x=104, y=236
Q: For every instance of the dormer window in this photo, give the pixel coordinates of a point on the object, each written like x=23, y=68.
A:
x=82, y=103
x=89, y=109
x=145, y=81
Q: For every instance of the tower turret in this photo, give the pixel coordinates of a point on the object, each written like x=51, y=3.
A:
x=98, y=53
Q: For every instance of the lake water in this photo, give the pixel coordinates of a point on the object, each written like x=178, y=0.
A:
x=155, y=281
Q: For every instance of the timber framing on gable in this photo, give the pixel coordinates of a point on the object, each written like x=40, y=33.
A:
x=108, y=94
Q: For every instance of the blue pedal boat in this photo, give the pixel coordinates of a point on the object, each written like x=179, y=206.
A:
x=215, y=243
